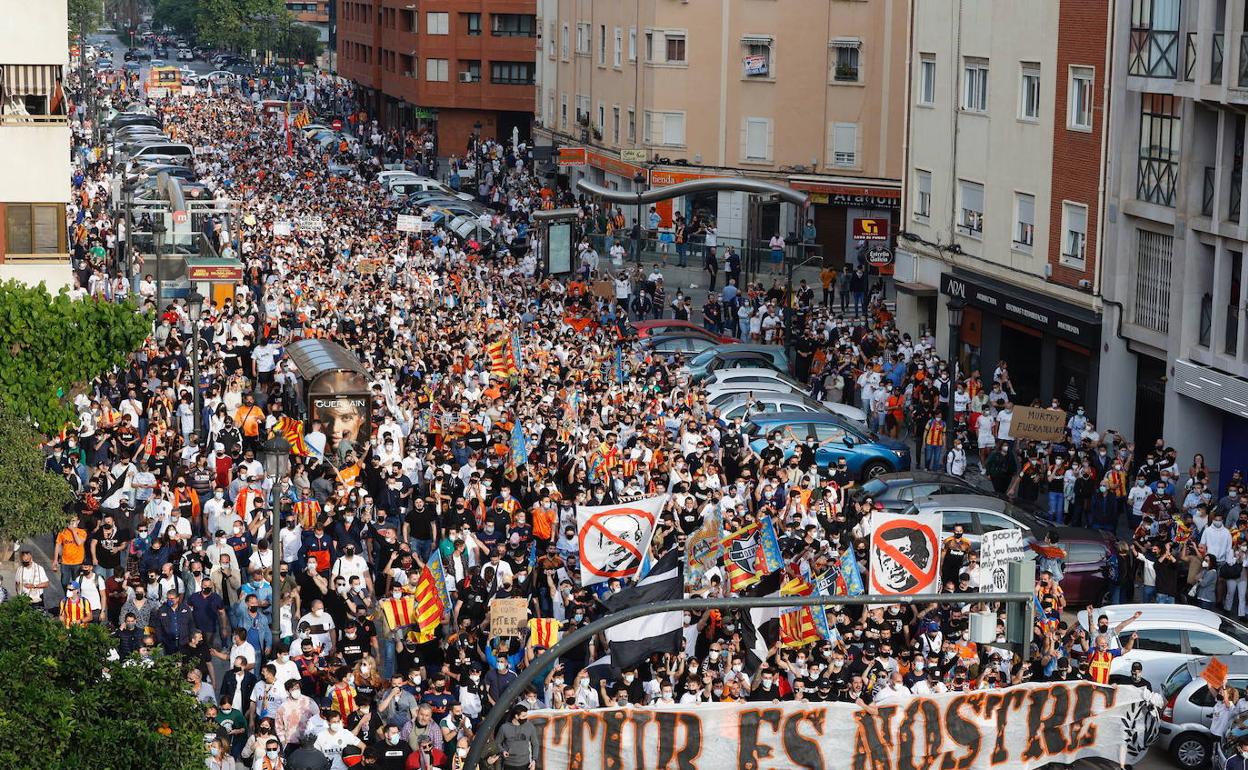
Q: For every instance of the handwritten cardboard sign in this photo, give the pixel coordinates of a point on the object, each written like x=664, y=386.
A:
x=1038, y=424
x=508, y=617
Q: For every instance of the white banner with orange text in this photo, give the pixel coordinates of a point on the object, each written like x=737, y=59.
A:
x=1014, y=728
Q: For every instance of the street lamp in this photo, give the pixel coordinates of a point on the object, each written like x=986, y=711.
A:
x=195, y=308
x=639, y=183
x=275, y=456
x=158, y=238
x=955, y=306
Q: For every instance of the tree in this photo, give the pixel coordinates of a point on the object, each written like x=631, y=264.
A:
x=53, y=346
x=179, y=15
x=238, y=25
x=84, y=17
x=67, y=706
x=32, y=502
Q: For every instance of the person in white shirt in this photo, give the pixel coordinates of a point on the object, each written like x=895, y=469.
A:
x=334, y=739
x=930, y=684
x=321, y=626
x=31, y=580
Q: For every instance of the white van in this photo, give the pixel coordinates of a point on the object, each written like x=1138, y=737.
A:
x=164, y=150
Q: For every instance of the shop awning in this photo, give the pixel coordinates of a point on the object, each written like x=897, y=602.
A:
x=845, y=42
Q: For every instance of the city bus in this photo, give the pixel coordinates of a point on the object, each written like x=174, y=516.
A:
x=163, y=81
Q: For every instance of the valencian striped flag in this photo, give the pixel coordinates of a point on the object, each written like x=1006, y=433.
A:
x=769, y=557
x=502, y=357
x=543, y=632
x=399, y=612
x=303, y=118
x=429, y=604
x=741, y=558
x=797, y=586
x=292, y=430
x=434, y=565
x=797, y=628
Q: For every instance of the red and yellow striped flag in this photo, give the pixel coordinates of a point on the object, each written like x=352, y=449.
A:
x=740, y=557
x=543, y=632
x=306, y=513
x=797, y=628
x=303, y=118
x=292, y=430
x=796, y=586
x=502, y=357
x=429, y=604
x=398, y=612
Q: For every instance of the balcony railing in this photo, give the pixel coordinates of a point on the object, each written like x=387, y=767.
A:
x=1243, y=61
x=33, y=120
x=1232, y=330
x=1206, y=320
x=1215, y=59
x=1232, y=209
x=1153, y=53
x=1189, y=58
x=1206, y=198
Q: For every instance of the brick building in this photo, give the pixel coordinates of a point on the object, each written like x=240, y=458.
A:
x=445, y=64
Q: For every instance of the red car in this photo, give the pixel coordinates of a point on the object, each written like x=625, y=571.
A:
x=669, y=325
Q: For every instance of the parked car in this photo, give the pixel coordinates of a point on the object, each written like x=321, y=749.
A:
x=669, y=325
x=746, y=405
x=737, y=355
x=866, y=454
x=680, y=345
x=185, y=54
x=764, y=380
x=1169, y=634
x=1188, y=711
x=897, y=491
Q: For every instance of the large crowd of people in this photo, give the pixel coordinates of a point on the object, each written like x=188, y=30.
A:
x=171, y=544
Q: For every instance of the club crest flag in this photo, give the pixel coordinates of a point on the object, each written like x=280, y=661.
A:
x=611, y=539
x=702, y=553
x=741, y=558
x=905, y=553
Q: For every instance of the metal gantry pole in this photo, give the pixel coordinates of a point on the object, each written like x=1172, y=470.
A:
x=493, y=719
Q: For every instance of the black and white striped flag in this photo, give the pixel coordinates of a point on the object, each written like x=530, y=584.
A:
x=635, y=640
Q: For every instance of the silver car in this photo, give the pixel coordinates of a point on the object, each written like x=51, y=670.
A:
x=1188, y=713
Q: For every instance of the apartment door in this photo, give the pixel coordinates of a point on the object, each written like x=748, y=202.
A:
x=1020, y=348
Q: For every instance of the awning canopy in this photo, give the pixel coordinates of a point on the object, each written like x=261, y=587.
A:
x=757, y=39
x=30, y=79
x=845, y=42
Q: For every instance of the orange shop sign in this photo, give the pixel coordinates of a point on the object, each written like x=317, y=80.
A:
x=665, y=178
x=572, y=156
x=613, y=165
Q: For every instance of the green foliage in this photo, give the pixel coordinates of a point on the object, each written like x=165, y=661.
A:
x=179, y=15
x=64, y=705
x=32, y=502
x=302, y=42
x=84, y=17
x=51, y=346
x=241, y=25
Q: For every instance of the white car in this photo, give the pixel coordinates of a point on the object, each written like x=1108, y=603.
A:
x=185, y=54
x=764, y=380
x=1168, y=634
x=743, y=405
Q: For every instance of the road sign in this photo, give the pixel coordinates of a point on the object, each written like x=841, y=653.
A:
x=879, y=255
x=336, y=125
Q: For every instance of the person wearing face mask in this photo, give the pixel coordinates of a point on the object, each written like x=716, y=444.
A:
x=335, y=739
x=1230, y=506
x=518, y=740
x=1217, y=539
x=293, y=715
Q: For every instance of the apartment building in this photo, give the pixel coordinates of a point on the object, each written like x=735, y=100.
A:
x=1005, y=138
x=803, y=92
x=457, y=66
x=314, y=14
x=34, y=145
x=1178, y=230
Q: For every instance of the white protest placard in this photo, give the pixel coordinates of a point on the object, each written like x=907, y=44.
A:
x=996, y=550
x=310, y=224
x=408, y=223
x=281, y=229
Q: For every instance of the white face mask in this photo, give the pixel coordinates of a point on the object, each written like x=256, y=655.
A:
x=271, y=754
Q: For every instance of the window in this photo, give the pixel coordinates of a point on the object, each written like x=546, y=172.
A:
x=846, y=57
x=927, y=79
x=922, y=193
x=1074, y=232
x=632, y=44
x=407, y=21
x=665, y=128
x=563, y=42
x=1157, y=174
x=32, y=90
x=582, y=109
x=437, y=23
x=1154, y=42
x=513, y=25
x=472, y=23
x=650, y=47
x=602, y=45
x=617, y=53
x=675, y=48
x=1029, y=92
x=35, y=228
x=436, y=70
x=1159, y=639
x=828, y=432
x=970, y=208
x=473, y=69
x=975, y=85
x=512, y=73
x=757, y=63
x=1153, y=255
x=845, y=145
x=615, y=124
x=563, y=110
x=632, y=125
x=1079, y=103
x=991, y=522
x=1024, y=220
x=582, y=37
x=602, y=116
x=756, y=139
x=1205, y=643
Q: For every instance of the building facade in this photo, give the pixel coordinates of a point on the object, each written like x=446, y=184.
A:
x=458, y=66
x=1005, y=139
x=668, y=91
x=34, y=145
x=1175, y=293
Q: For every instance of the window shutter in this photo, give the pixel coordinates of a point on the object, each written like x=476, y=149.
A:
x=1027, y=209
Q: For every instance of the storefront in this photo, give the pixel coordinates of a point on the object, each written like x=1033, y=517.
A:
x=835, y=207
x=1050, y=347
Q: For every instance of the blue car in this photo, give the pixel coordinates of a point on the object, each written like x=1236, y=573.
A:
x=866, y=454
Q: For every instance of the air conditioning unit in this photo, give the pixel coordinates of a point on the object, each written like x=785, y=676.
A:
x=466, y=77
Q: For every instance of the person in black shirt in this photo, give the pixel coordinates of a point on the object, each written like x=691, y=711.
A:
x=352, y=644
x=771, y=454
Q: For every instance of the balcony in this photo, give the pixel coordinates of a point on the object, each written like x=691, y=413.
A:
x=1189, y=58
x=1216, y=57
x=1243, y=61
x=1206, y=320
x=1206, y=198
x=1153, y=53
